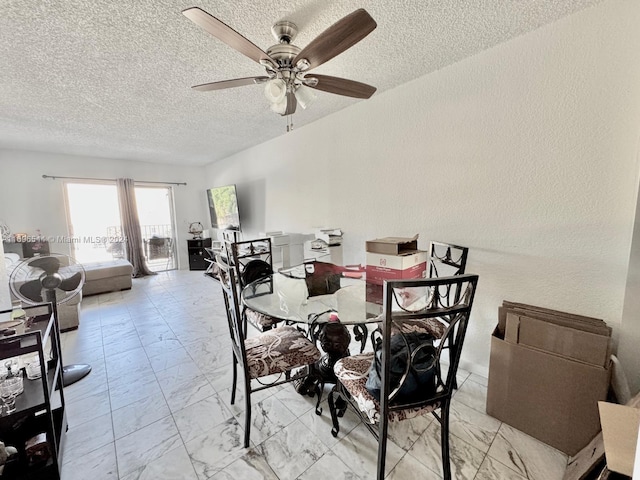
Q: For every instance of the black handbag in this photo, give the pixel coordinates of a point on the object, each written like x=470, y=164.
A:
x=421, y=378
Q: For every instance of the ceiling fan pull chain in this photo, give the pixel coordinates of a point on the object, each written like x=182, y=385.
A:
x=289, y=123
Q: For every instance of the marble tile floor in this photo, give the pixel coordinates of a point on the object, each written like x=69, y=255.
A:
x=156, y=406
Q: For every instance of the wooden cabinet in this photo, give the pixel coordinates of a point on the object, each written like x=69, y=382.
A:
x=198, y=254
x=40, y=409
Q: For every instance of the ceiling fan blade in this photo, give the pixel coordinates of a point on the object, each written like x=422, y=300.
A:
x=32, y=290
x=341, y=86
x=226, y=34
x=292, y=103
x=71, y=283
x=337, y=38
x=237, y=82
x=49, y=264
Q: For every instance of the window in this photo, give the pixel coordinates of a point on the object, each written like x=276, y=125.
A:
x=95, y=226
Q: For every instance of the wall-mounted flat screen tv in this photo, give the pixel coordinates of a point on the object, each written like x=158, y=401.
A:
x=223, y=207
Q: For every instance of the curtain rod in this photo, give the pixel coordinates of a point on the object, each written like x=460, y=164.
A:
x=108, y=180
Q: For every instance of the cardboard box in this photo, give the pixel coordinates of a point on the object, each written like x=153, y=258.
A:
x=395, y=267
x=392, y=245
x=550, y=397
x=620, y=433
x=587, y=324
x=392, y=258
x=574, y=343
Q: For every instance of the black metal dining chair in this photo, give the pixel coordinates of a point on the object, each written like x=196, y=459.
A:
x=252, y=260
x=405, y=376
x=446, y=259
x=285, y=350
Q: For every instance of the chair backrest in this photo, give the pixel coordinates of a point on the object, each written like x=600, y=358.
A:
x=251, y=259
x=446, y=259
x=231, y=298
x=430, y=303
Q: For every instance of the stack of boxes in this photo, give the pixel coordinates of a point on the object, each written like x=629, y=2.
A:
x=547, y=372
x=392, y=258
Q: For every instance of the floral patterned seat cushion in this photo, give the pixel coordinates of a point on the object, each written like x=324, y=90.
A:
x=260, y=320
x=279, y=350
x=431, y=326
x=353, y=372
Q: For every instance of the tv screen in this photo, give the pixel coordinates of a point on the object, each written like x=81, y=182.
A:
x=223, y=207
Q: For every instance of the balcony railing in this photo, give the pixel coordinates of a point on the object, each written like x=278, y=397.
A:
x=158, y=246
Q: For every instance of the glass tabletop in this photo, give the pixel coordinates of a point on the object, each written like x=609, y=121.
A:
x=286, y=296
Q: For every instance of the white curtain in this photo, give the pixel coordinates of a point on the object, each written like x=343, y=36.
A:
x=131, y=227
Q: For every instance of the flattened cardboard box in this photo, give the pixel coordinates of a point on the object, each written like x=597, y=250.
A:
x=587, y=324
x=551, y=398
x=568, y=342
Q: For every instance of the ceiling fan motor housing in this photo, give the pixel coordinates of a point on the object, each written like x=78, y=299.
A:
x=283, y=53
x=284, y=31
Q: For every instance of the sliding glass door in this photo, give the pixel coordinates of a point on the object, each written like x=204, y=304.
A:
x=95, y=226
x=155, y=210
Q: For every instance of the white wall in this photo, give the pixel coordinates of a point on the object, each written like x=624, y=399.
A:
x=29, y=202
x=5, y=296
x=526, y=153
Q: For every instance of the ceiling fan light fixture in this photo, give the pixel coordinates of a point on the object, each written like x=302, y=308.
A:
x=305, y=96
x=280, y=107
x=275, y=90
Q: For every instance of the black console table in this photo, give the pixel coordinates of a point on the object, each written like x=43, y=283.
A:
x=198, y=254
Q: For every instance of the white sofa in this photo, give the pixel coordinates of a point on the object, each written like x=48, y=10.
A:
x=107, y=276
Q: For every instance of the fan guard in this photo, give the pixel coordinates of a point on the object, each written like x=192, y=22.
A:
x=36, y=275
x=53, y=278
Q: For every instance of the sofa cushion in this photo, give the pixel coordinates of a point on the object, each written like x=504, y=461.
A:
x=107, y=269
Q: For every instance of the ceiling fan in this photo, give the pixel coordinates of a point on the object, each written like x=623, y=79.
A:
x=287, y=81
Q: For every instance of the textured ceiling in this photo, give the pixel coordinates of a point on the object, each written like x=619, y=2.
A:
x=111, y=78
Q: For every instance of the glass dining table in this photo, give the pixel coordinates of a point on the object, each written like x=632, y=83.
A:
x=327, y=299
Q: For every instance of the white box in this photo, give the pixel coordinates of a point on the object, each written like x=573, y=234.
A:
x=382, y=267
x=277, y=238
